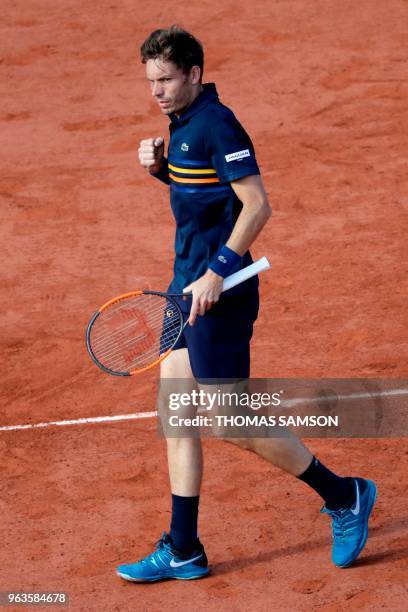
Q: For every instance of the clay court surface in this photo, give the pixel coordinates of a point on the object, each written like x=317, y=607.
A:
x=321, y=87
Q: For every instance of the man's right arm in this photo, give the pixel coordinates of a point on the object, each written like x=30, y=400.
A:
x=151, y=157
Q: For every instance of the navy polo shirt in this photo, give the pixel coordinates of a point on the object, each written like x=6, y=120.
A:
x=208, y=149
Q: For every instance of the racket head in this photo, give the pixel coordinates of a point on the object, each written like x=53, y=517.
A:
x=133, y=332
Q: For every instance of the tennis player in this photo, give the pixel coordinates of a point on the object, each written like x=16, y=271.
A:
x=220, y=206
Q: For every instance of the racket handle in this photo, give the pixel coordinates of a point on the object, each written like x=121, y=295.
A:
x=242, y=275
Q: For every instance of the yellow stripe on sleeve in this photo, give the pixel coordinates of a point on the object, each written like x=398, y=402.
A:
x=190, y=171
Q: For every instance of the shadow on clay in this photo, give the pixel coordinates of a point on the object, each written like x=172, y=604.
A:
x=233, y=565
x=386, y=556
x=392, y=526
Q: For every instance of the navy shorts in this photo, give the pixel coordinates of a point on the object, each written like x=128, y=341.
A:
x=218, y=342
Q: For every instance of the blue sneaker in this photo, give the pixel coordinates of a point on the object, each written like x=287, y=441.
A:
x=350, y=525
x=167, y=562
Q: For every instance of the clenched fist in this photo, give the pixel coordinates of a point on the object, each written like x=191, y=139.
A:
x=151, y=152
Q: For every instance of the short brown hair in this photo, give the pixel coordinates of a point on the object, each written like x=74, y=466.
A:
x=175, y=45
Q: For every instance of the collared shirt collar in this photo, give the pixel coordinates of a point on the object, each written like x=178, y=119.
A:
x=209, y=94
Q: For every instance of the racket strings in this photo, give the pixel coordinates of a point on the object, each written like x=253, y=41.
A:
x=112, y=351
x=132, y=334
x=103, y=337
x=155, y=318
x=126, y=355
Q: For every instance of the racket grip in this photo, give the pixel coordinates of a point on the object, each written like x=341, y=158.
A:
x=242, y=275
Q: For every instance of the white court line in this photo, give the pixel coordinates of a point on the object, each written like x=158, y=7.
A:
x=102, y=419
x=148, y=415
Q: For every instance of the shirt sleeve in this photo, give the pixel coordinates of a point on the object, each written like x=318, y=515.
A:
x=230, y=148
x=163, y=173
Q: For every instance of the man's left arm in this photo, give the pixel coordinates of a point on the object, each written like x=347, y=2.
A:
x=253, y=216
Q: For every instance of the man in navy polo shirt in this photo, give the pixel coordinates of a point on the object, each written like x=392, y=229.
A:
x=220, y=206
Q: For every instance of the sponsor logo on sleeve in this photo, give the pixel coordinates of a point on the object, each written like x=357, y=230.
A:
x=237, y=155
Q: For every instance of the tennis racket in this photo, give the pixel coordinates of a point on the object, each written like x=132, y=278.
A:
x=135, y=331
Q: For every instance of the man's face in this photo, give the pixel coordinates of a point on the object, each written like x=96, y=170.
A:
x=171, y=87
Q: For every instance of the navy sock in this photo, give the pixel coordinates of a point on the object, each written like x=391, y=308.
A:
x=183, y=528
x=336, y=491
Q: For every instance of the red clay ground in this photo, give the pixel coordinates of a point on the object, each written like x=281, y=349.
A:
x=322, y=88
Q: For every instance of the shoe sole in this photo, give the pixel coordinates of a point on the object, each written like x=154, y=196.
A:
x=365, y=536
x=130, y=579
